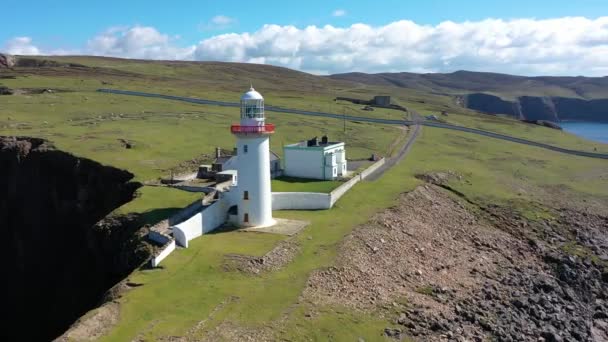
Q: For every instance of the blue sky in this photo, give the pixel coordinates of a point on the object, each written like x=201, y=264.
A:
x=71, y=23
x=53, y=27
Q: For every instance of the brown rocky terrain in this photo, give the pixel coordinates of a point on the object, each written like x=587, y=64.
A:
x=470, y=273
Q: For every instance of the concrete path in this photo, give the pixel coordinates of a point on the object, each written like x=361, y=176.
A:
x=364, y=119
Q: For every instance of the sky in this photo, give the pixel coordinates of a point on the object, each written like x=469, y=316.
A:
x=527, y=37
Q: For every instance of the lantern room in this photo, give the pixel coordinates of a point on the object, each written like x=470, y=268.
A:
x=252, y=108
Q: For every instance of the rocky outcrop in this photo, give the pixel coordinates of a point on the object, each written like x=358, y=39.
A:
x=60, y=250
x=6, y=61
x=531, y=108
x=472, y=273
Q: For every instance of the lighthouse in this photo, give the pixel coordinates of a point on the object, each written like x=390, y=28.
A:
x=254, y=197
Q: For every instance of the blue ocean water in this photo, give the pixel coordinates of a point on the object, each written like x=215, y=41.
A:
x=595, y=131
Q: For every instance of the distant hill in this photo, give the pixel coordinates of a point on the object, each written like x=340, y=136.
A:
x=528, y=98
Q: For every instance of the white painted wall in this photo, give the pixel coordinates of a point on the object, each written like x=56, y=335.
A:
x=202, y=222
x=303, y=163
x=372, y=168
x=188, y=230
x=254, y=177
x=214, y=216
x=300, y=201
x=342, y=189
x=167, y=249
x=316, y=162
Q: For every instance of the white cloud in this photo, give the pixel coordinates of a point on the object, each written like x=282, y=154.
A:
x=571, y=45
x=562, y=46
x=21, y=46
x=137, y=42
x=339, y=13
x=222, y=20
x=219, y=22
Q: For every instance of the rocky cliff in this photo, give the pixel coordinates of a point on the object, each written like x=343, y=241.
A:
x=533, y=108
x=60, y=252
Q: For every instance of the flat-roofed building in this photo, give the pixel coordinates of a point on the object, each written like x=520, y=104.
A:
x=315, y=159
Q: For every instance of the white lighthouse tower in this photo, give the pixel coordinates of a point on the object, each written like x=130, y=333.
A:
x=254, y=201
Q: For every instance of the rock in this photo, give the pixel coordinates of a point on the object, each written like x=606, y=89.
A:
x=392, y=332
x=5, y=91
x=551, y=336
x=7, y=61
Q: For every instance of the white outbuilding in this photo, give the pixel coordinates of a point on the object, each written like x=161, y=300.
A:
x=315, y=159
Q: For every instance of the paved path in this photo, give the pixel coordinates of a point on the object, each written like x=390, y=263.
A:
x=390, y=162
x=364, y=119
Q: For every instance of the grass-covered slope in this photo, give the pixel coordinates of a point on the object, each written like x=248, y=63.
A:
x=509, y=86
x=196, y=296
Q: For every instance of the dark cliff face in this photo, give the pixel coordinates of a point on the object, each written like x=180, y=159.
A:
x=491, y=105
x=533, y=108
x=57, y=259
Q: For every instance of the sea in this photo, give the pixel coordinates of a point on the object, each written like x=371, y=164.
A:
x=596, y=131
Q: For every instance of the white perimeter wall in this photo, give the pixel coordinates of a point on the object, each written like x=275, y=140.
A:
x=167, y=249
x=300, y=201
x=372, y=168
x=188, y=230
x=342, y=189
x=315, y=200
x=202, y=222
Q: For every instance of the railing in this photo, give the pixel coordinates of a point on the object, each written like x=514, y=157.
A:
x=267, y=128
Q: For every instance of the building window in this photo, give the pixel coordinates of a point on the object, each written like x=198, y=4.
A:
x=246, y=218
x=245, y=195
x=245, y=148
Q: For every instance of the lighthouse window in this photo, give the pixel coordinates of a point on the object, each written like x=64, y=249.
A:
x=245, y=148
x=246, y=195
x=246, y=218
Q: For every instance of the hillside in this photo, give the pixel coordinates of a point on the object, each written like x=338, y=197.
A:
x=464, y=224
x=530, y=98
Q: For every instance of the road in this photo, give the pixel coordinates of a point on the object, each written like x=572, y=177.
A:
x=392, y=161
x=364, y=119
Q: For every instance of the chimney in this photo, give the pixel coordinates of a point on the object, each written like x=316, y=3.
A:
x=313, y=142
x=218, y=152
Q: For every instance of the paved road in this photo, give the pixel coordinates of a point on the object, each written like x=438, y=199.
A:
x=364, y=119
x=390, y=162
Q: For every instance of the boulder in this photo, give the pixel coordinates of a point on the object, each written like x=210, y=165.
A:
x=6, y=61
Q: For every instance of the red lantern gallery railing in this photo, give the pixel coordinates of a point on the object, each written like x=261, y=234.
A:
x=267, y=128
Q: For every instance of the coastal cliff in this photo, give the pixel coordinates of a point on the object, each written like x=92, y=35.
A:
x=61, y=252
x=532, y=108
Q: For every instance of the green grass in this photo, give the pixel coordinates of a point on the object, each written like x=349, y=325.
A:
x=425, y=290
x=494, y=172
x=291, y=184
x=194, y=286
x=158, y=203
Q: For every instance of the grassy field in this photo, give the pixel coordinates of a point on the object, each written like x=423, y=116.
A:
x=194, y=293
x=291, y=184
x=493, y=172
x=165, y=134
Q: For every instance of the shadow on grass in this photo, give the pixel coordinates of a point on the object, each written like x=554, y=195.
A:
x=297, y=180
x=152, y=217
x=225, y=228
